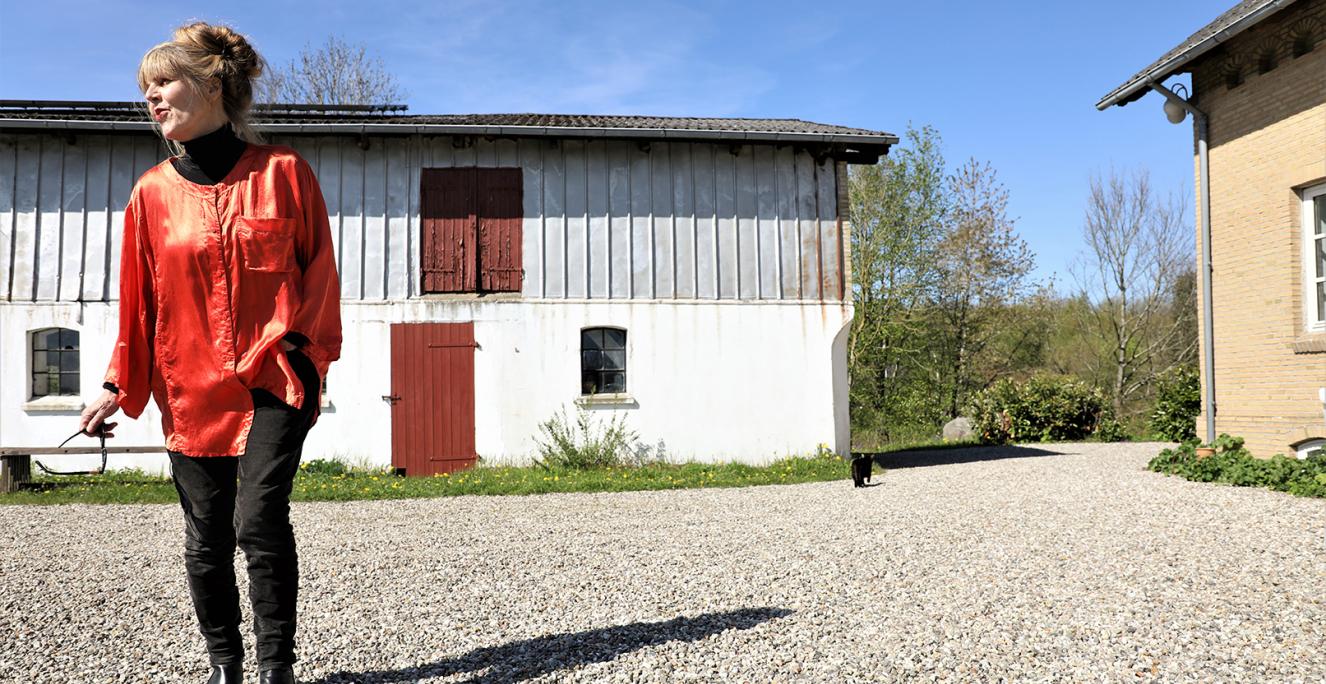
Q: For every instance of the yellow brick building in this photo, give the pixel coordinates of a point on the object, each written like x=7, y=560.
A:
x=1258, y=79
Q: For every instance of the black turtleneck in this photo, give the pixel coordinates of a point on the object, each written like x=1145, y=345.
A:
x=209, y=158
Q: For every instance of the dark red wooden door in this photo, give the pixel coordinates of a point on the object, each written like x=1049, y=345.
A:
x=432, y=387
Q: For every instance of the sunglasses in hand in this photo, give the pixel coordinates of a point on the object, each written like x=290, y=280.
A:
x=102, y=431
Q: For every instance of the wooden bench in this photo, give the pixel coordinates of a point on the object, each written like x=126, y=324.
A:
x=16, y=462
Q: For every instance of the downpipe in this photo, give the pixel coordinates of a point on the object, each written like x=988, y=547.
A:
x=1204, y=197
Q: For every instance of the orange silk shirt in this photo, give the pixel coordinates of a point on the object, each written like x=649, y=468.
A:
x=211, y=278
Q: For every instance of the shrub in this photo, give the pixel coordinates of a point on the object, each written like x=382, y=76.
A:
x=1178, y=401
x=1110, y=430
x=322, y=466
x=1044, y=408
x=581, y=445
x=1232, y=464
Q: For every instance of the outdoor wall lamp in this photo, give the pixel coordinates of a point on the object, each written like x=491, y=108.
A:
x=1174, y=111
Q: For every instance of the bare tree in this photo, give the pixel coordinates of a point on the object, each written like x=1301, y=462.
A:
x=336, y=73
x=1137, y=254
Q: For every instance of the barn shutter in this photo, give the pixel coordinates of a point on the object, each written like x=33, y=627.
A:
x=450, y=229
x=500, y=213
x=471, y=222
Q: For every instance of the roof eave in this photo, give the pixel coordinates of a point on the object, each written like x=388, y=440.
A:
x=1141, y=84
x=879, y=143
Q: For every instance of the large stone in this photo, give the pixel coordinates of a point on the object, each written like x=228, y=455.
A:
x=958, y=428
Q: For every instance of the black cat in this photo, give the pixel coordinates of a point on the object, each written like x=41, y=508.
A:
x=861, y=466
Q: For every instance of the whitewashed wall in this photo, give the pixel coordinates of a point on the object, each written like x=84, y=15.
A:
x=715, y=381
x=726, y=265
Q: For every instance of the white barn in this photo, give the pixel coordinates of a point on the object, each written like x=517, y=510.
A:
x=691, y=274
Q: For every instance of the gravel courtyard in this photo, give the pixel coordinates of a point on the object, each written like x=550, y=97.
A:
x=1039, y=563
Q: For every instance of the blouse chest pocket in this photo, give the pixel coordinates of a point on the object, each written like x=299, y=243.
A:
x=267, y=244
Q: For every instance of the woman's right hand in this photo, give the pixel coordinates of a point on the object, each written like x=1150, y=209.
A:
x=100, y=409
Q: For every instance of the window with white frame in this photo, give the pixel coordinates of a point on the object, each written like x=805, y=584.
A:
x=1314, y=257
x=602, y=361
x=54, y=363
x=1306, y=449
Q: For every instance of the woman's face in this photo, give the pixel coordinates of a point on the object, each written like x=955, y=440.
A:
x=183, y=114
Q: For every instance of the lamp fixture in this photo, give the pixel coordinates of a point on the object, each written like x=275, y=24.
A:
x=1174, y=110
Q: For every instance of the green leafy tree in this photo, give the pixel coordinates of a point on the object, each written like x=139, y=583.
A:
x=984, y=267
x=897, y=209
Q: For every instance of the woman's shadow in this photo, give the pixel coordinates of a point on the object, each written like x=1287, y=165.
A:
x=521, y=660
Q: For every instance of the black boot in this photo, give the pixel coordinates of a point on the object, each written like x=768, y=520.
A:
x=283, y=674
x=230, y=673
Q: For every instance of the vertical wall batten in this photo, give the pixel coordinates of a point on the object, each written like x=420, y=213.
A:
x=9, y=239
x=601, y=218
x=59, y=225
x=82, y=228
x=37, y=213
x=671, y=215
x=695, y=228
x=109, y=238
x=755, y=220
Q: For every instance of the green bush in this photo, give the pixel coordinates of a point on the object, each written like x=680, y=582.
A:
x=1110, y=430
x=323, y=466
x=1178, y=401
x=1045, y=408
x=1232, y=464
x=581, y=445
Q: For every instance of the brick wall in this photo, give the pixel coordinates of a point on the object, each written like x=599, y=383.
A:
x=1267, y=142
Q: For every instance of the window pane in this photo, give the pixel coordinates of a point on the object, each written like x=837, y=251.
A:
x=591, y=338
x=40, y=360
x=1320, y=205
x=1321, y=301
x=69, y=383
x=46, y=339
x=589, y=382
x=590, y=360
x=68, y=339
x=46, y=383
x=1321, y=255
x=614, y=382
x=614, y=359
x=38, y=385
x=69, y=361
x=614, y=339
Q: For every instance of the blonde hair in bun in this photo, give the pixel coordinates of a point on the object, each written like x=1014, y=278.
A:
x=199, y=52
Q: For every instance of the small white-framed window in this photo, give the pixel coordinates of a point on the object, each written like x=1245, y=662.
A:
x=1304, y=449
x=602, y=361
x=54, y=363
x=1314, y=258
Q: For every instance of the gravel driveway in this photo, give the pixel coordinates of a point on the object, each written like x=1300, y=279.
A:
x=1047, y=563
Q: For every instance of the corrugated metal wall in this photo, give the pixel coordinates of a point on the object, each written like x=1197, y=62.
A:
x=603, y=218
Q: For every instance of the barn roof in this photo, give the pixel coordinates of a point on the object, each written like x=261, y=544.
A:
x=392, y=120
x=1239, y=18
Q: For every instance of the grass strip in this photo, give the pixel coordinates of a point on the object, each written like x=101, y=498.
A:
x=316, y=483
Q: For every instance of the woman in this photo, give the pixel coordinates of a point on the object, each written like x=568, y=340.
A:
x=229, y=318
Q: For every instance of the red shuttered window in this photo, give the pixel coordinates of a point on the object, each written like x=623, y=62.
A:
x=471, y=229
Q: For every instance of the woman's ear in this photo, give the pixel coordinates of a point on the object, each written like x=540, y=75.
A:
x=214, y=88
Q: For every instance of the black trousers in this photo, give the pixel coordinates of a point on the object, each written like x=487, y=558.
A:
x=246, y=500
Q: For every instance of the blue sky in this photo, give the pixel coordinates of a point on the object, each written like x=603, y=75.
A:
x=1013, y=83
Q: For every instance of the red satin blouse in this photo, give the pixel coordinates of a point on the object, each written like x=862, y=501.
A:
x=211, y=278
